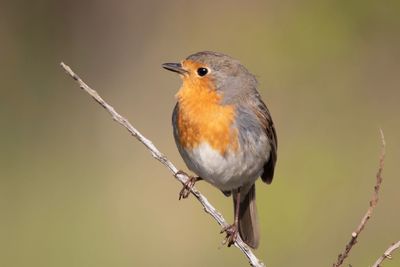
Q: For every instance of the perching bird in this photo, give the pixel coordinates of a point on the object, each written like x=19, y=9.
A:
x=225, y=134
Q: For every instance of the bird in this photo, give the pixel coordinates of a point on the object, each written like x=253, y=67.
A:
x=225, y=134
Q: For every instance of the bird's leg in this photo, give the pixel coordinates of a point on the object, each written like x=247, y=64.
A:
x=188, y=185
x=233, y=229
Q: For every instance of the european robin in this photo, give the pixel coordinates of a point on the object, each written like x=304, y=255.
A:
x=225, y=134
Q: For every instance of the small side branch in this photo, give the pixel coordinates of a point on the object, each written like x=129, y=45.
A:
x=179, y=175
x=387, y=254
x=372, y=204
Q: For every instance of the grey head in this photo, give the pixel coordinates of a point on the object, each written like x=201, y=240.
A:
x=229, y=76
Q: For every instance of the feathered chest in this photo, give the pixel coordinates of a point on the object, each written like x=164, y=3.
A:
x=201, y=118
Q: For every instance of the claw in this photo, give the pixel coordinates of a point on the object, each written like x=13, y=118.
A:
x=187, y=187
x=231, y=234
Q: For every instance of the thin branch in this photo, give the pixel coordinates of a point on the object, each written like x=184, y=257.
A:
x=179, y=175
x=387, y=254
x=372, y=204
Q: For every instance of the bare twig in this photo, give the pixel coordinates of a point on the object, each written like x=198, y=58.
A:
x=179, y=175
x=387, y=254
x=372, y=205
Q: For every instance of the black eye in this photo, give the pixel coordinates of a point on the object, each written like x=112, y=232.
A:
x=202, y=71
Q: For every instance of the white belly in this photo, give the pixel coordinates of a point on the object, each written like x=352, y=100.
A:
x=226, y=172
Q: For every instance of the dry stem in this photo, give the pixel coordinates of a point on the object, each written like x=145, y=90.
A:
x=372, y=205
x=387, y=254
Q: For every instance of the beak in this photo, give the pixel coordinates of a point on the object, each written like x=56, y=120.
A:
x=175, y=67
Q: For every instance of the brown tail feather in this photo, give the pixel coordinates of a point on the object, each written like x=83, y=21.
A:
x=248, y=220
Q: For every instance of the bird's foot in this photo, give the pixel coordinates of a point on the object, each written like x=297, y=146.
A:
x=231, y=234
x=187, y=187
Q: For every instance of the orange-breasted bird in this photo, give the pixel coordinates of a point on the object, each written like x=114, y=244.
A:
x=225, y=134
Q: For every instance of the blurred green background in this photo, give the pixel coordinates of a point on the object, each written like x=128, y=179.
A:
x=77, y=190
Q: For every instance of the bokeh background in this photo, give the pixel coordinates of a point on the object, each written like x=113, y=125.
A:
x=77, y=190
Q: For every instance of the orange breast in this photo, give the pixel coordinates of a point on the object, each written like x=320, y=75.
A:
x=202, y=118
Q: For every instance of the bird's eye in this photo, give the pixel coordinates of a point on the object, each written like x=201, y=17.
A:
x=202, y=71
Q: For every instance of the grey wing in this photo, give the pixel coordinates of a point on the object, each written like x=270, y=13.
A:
x=269, y=166
x=264, y=116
